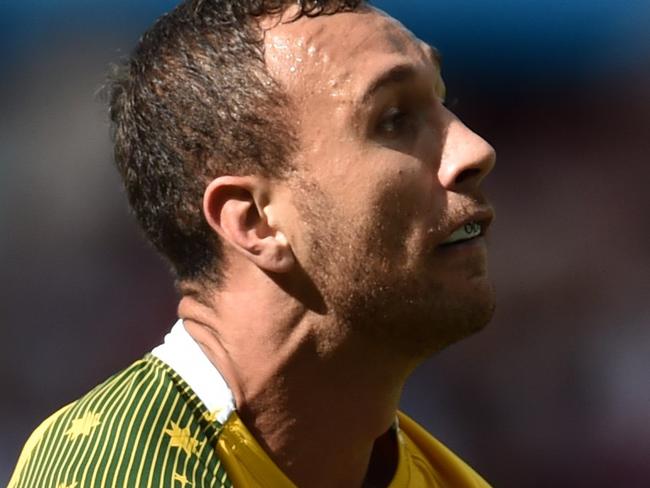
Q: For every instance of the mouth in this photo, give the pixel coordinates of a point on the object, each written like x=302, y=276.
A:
x=470, y=229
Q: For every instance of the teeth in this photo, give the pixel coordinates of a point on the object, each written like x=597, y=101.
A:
x=467, y=231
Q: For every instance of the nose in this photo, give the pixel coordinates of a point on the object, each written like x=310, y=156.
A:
x=466, y=158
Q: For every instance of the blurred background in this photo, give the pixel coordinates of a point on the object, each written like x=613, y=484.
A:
x=555, y=392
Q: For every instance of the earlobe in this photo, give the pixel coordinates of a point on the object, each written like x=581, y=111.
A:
x=275, y=254
x=234, y=207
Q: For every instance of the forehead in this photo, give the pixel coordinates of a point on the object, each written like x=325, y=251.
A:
x=337, y=53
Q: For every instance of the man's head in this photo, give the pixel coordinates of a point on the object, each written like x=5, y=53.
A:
x=194, y=102
x=376, y=173
x=384, y=175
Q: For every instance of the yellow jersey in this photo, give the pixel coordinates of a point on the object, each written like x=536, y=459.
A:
x=169, y=421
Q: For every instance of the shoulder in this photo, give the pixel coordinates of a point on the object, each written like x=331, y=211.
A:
x=143, y=427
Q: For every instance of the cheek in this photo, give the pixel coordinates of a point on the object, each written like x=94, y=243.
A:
x=384, y=200
x=402, y=214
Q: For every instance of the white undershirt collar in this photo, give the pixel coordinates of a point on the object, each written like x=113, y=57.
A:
x=181, y=353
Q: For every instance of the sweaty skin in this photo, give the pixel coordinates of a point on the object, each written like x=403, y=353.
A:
x=388, y=198
x=337, y=285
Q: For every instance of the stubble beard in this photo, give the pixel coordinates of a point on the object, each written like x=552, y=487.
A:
x=400, y=308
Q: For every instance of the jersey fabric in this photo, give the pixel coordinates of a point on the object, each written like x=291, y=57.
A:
x=169, y=421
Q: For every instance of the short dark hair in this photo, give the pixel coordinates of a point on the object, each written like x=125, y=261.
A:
x=194, y=101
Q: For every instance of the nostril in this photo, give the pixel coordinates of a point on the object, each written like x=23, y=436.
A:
x=466, y=175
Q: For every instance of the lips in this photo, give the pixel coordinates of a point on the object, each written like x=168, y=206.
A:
x=470, y=230
x=472, y=226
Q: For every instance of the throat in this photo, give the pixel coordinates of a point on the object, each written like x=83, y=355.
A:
x=321, y=444
x=383, y=461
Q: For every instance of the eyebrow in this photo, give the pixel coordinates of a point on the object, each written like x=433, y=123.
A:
x=398, y=74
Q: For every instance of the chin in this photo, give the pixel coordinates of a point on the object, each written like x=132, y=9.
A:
x=450, y=315
x=466, y=313
x=416, y=323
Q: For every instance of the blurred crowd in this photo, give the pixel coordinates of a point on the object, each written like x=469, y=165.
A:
x=555, y=392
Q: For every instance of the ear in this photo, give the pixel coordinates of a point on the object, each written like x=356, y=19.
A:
x=236, y=207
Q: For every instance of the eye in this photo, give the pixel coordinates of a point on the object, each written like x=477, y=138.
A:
x=397, y=122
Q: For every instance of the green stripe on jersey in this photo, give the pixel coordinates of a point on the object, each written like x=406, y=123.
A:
x=141, y=428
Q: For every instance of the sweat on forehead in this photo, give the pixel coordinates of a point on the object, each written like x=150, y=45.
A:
x=318, y=51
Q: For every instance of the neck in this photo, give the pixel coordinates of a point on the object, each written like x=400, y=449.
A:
x=300, y=379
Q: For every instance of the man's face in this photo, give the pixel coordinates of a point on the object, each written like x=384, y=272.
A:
x=385, y=175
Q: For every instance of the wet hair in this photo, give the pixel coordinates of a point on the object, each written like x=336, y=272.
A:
x=193, y=102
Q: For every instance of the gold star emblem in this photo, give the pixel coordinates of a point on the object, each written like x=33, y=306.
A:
x=211, y=416
x=63, y=485
x=182, y=438
x=83, y=426
x=181, y=479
